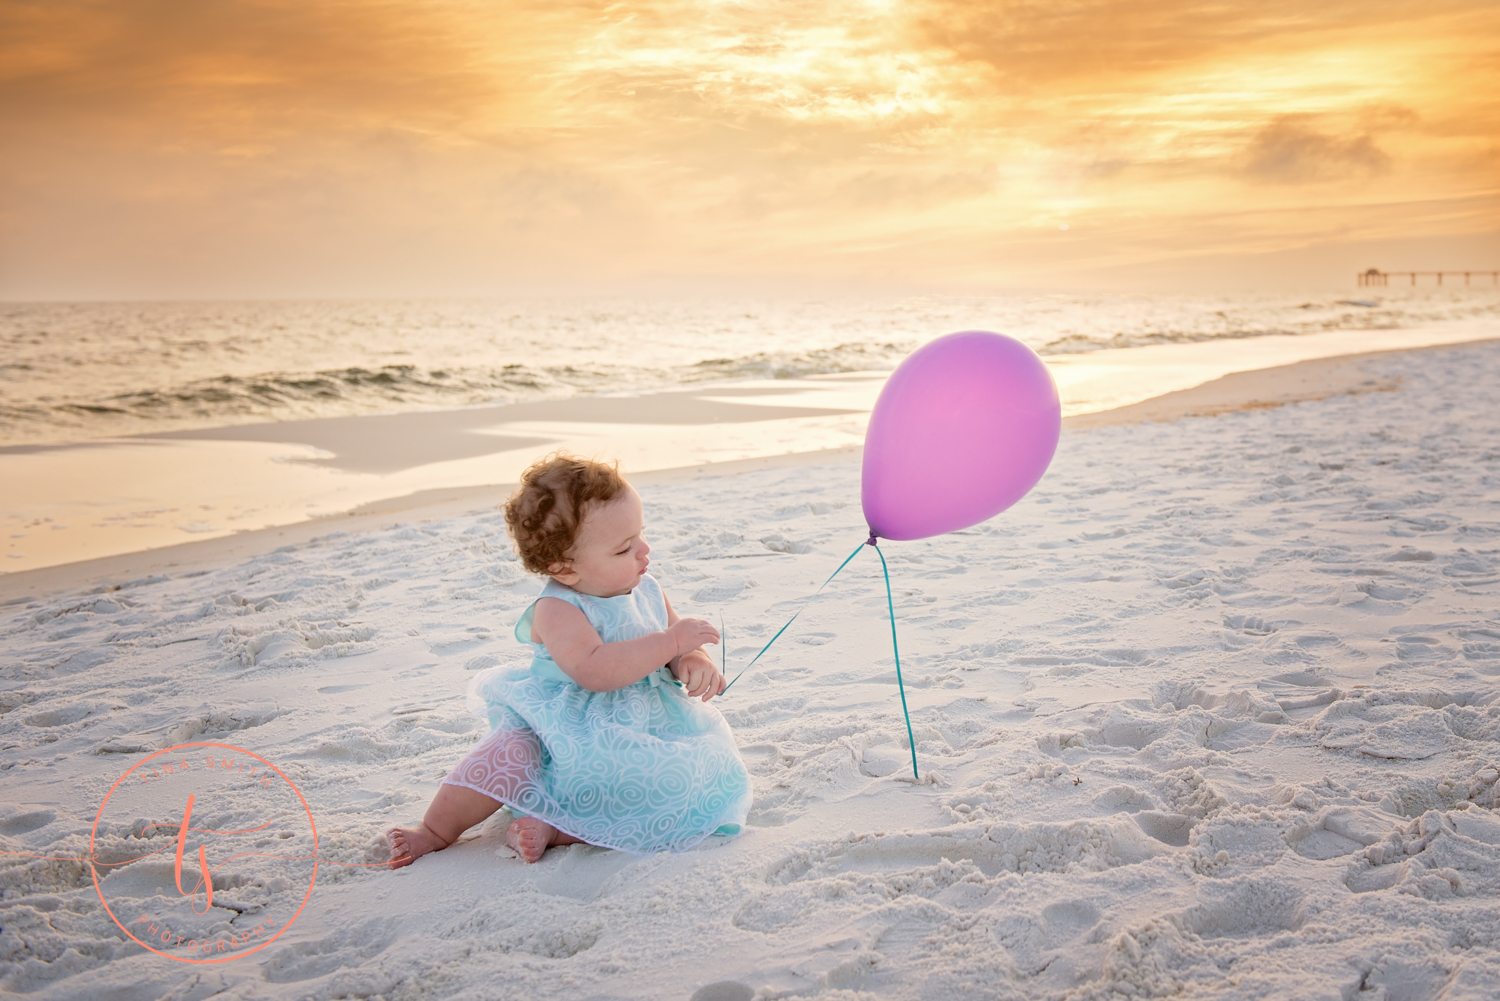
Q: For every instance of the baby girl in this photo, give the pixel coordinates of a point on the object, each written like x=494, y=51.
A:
x=607, y=737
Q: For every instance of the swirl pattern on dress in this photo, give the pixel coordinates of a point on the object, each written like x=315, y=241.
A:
x=640, y=769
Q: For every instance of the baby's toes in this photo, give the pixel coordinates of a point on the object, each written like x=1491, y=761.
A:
x=401, y=854
x=528, y=840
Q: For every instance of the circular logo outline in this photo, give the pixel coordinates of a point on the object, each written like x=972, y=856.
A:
x=94, y=871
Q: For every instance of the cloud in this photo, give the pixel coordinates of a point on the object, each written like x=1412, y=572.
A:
x=1289, y=150
x=1033, y=44
x=252, y=147
x=248, y=74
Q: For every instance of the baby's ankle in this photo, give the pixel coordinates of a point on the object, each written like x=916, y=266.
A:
x=433, y=833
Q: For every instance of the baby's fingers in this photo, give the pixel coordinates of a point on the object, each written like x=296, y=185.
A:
x=697, y=627
x=713, y=683
x=715, y=688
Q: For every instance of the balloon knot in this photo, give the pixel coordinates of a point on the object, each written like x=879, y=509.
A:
x=871, y=540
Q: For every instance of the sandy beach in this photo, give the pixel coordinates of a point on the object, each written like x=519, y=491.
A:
x=1211, y=713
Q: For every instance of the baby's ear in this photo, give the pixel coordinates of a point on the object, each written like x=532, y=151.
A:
x=562, y=572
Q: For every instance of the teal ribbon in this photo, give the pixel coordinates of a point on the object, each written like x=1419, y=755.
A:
x=783, y=629
x=895, y=650
x=891, y=607
x=663, y=676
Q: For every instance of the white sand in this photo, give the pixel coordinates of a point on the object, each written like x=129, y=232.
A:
x=1212, y=713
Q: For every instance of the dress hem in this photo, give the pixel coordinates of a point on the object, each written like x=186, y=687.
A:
x=694, y=843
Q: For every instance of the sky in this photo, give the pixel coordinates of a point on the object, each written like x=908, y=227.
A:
x=166, y=149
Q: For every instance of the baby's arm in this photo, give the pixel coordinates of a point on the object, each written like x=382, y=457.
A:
x=695, y=669
x=603, y=667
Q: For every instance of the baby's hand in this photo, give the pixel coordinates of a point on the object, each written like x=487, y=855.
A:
x=699, y=676
x=690, y=634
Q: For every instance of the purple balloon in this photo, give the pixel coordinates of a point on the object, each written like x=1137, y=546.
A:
x=964, y=427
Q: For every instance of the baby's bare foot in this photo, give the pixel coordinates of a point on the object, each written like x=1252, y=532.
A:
x=531, y=837
x=410, y=843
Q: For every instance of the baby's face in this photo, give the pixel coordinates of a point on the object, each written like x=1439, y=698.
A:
x=609, y=555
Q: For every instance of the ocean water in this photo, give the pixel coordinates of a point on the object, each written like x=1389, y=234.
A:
x=71, y=372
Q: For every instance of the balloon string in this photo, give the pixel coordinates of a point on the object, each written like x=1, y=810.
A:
x=783, y=629
x=891, y=607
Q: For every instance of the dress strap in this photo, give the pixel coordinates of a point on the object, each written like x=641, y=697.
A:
x=523, y=628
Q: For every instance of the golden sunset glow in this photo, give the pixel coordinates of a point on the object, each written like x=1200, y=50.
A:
x=270, y=148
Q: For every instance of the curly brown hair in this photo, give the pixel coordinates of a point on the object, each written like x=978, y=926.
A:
x=546, y=511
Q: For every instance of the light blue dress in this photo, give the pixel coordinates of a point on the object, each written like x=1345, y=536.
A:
x=641, y=769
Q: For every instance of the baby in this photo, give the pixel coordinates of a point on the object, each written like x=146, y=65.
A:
x=607, y=738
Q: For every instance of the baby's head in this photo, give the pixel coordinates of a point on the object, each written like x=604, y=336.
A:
x=579, y=522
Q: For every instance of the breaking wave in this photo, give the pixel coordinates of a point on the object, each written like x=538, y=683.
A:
x=80, y=371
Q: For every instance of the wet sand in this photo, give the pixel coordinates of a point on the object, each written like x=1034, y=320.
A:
x=1262, y=388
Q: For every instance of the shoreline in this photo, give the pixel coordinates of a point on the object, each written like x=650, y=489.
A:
x=111, y=497
x=1264, y=388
